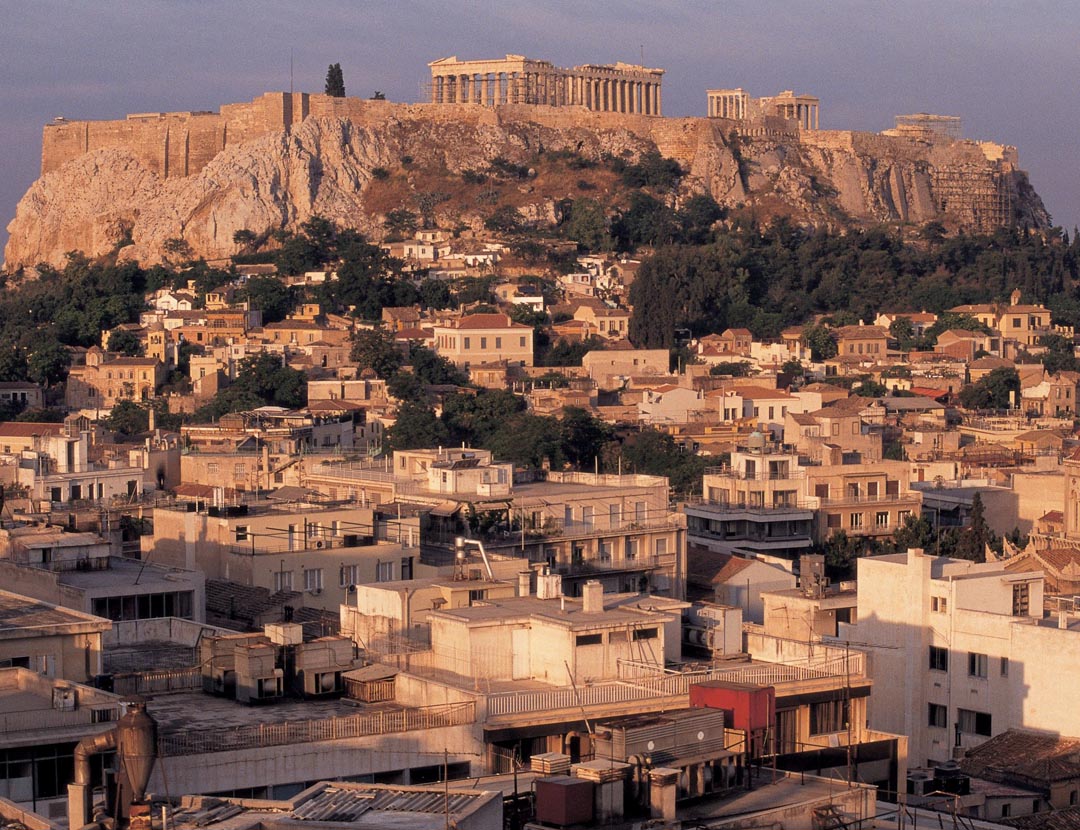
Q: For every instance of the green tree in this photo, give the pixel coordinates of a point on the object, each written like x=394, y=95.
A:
x=128, y=418
x=841, y=552
x=588, y=226
x=584, y=437
x=434, y=369
x=270, y=296
x=903, y=332
x=739, y=369
x=377, y=350
x=335, y=81
x=416, y=427
x=974, y=538
x=1000, y=389
x=125, y=342
x=47, y=362
x=822, y=342
x=244, y=238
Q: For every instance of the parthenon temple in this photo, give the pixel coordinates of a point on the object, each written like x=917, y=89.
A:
x=736, y=105
x=515, y=79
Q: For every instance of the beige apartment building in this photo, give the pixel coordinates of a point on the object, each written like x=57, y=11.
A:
x=484, y=338
x=104, y=381
x=320, y=550
x=772, y=500
x=620, y=530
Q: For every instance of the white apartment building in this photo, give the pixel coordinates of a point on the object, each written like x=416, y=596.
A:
x=960, y=652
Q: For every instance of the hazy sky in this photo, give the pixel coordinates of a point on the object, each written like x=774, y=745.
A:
x=1006, y=67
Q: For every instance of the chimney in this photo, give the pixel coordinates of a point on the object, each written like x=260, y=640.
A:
x=662, y=785
x=548, y=586
x=524, y=586
x=592, y=597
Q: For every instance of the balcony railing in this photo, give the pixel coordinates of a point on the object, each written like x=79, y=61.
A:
x=640, y=686
x=774, y=509
x=44, y=720
x=761, y=475
x=290, y=733
x=890, y=498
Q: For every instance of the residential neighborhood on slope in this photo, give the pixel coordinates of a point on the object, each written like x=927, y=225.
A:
x=847, y=554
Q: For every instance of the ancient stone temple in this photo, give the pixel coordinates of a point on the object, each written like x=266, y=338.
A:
x=515, y=79
x=736, y=105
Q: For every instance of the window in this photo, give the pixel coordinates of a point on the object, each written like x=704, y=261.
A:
x=939, y=658
x=973, y=723
x=605, y=550
x=856, y=520
x=832, y=520
x=1004, y=666
x=477, y=595
x=645, y=634
x=468, y=341
x=661, y=547
x=590, y=639
x=522, y=342
x=282, y=580
x=631, y=548
x=313, y=580
x=1021, y=599
x=938, y=716
x=241, y=533
x=939, y=604
x=239, y=470
x=349, y=575
x=212, y=468
x=881, y=519
x=498, y=342
x=1006, y=810
x=828, y=716
x=976, y=664
x=384, y=572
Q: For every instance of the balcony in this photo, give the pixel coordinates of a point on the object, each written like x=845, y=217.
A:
x=734, y=474
x=790, y=510
x=910, y=497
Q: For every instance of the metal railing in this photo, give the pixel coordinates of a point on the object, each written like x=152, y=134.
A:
x=46, y=719
x=289, y=733
x=761, y=475
x=889, y=498
x=666, y=685
x=160, y=682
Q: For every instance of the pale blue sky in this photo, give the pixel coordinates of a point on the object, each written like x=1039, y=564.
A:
x=1006, y=68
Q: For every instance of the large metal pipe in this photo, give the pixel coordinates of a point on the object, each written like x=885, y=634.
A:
x=87, y=747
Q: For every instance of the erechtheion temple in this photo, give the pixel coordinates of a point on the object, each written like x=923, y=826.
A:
x=736, y=105
x=515, y=79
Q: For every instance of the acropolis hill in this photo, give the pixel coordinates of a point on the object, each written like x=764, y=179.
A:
x=275, y=161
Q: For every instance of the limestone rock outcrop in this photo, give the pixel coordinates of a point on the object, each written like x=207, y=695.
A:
x=109, y=199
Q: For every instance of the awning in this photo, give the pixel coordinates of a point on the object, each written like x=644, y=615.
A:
x=446, y=508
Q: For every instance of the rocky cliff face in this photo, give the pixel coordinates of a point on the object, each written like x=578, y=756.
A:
x=100, y=201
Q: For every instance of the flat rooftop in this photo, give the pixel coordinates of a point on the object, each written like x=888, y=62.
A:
x=146, y=576
x=22, y=616
x=196, y=711
x=336, y=804
x=564, y=611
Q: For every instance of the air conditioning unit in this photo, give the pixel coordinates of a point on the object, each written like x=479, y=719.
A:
x=919, y=782
x=64, y=700
x=320, y=544
x=322, y=683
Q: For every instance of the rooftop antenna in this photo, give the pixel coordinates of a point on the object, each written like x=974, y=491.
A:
x=290, y=70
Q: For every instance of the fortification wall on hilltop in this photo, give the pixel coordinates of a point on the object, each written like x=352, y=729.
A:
x=175, y=144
